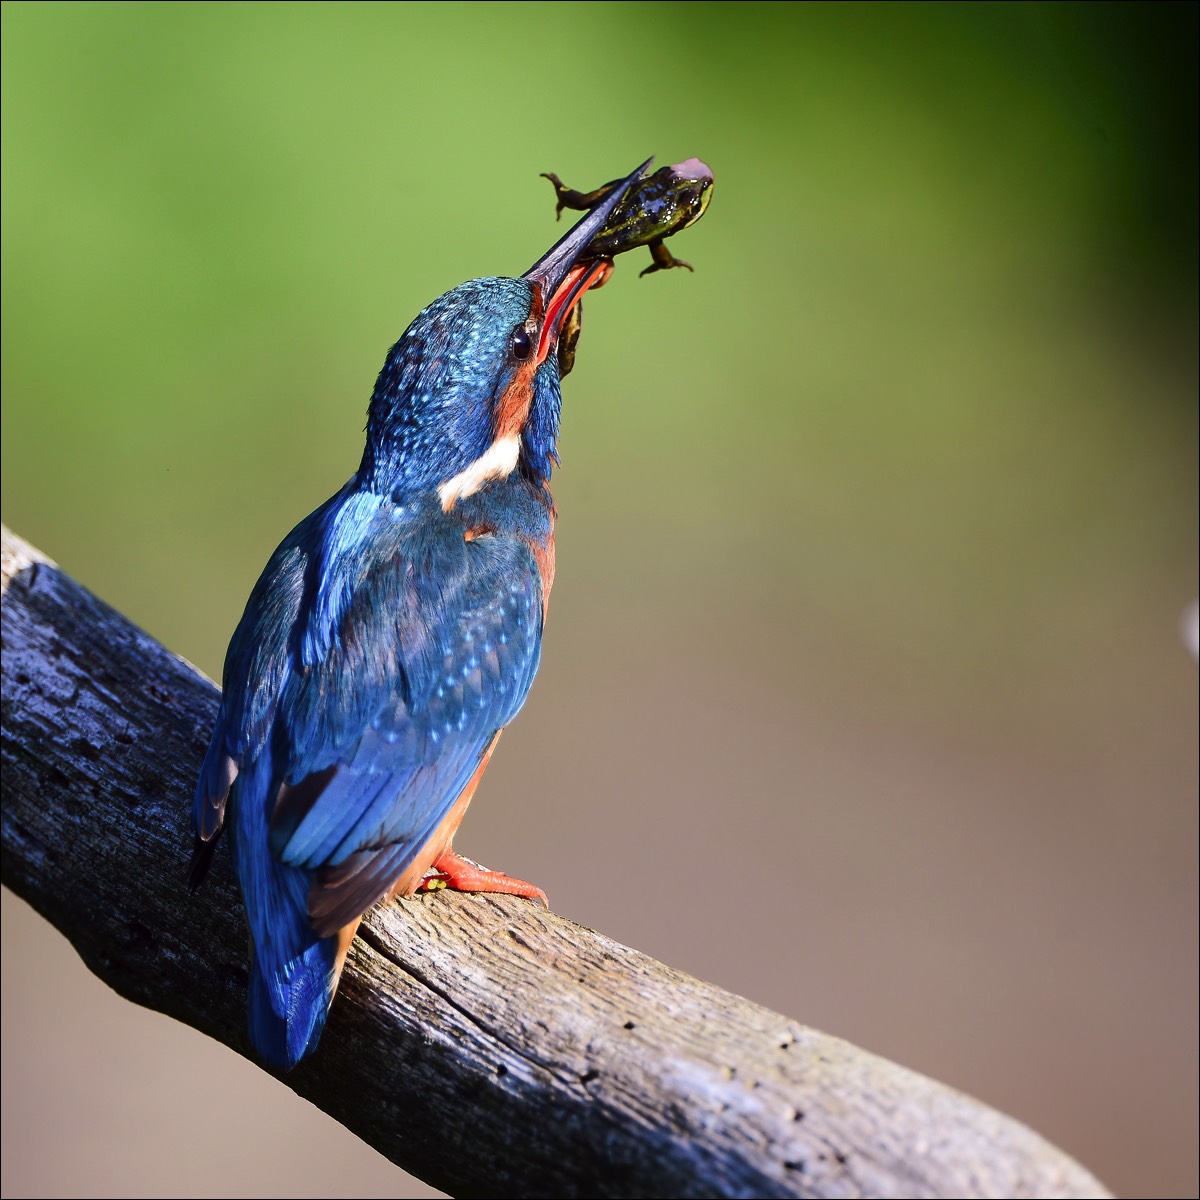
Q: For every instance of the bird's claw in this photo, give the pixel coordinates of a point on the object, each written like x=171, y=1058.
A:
x=461, y=874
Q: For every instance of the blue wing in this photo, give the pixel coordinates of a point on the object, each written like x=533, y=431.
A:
x=378, y=657
x=436, y=648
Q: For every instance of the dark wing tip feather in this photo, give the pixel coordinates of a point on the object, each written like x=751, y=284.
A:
x=340, y=894
x=202, y=856
x=217, y=777
x=293, y=803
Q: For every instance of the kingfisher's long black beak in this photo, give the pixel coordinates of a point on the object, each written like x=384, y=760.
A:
x=561, y=279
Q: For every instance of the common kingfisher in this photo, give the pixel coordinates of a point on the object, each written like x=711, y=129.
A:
x=392, y=636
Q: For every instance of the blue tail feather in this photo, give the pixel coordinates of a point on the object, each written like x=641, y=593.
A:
x=293, y=975
x=287, y=1010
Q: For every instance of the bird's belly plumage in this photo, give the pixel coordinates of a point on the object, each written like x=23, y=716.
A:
x=443, y=837
x=543, y=555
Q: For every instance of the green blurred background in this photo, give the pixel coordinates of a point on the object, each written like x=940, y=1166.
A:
x=863, y=691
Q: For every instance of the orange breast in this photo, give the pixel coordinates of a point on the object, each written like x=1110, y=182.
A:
x=437, y=845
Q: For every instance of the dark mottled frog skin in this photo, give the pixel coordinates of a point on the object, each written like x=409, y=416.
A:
x=657, y=207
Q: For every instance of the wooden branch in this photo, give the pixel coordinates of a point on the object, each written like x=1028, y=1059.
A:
x=487, y=1046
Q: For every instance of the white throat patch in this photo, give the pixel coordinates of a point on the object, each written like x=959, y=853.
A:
x=496, y=462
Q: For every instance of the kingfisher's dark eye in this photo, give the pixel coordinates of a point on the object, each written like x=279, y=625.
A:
x=522, y=343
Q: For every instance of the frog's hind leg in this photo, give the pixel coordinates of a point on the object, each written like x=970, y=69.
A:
x=663, y=259
x=570, y=198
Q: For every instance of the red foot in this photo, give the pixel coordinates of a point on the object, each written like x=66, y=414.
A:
x=462, y=875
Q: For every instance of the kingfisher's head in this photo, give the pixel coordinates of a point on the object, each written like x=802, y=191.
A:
x=470, y=392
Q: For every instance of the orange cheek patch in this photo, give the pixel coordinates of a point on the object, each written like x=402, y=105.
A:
x=512, y=409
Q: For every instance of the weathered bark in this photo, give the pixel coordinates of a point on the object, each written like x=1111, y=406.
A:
x=487, y=1046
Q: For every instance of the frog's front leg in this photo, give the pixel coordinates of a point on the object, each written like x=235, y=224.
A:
x=663, y=259
x=570, y=198
x=568, y=339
